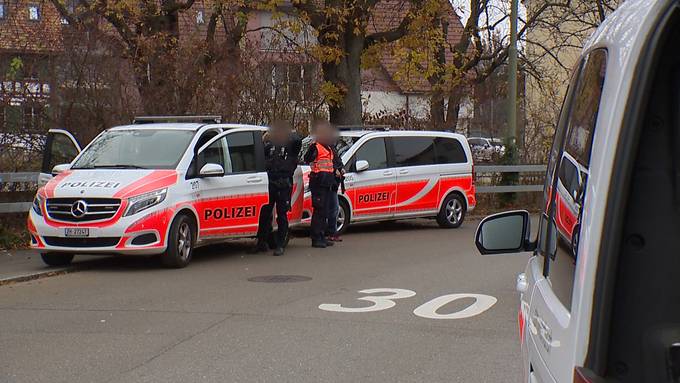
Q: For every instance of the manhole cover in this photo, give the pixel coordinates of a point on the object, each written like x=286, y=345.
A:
x=280, y=278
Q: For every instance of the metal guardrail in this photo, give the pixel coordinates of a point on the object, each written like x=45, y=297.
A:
x=11, y=178
x=490, y=169
x=14, y=178
x=26, y=177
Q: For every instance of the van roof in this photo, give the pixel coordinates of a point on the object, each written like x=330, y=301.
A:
x=183, y=126
x=393, y=133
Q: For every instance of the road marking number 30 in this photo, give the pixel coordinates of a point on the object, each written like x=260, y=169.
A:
x=426, y=310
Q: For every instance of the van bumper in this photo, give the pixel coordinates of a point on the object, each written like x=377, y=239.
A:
x=127, y=236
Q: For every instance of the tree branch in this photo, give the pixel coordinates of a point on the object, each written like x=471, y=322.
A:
x=393, y=34
x=173, y=6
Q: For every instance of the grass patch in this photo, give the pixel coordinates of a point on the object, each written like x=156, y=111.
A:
x=13, y=233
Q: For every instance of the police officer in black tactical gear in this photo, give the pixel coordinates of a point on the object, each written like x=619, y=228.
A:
x=281, y=149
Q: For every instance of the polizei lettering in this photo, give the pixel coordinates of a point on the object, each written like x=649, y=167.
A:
x=91, y=184
x=229, y=212
x=374, y=197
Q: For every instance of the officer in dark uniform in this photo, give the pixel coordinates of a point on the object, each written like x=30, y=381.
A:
x=281, y=149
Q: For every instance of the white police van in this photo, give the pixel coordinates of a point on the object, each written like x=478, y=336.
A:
x=394, y=174
x=152, y=188
x=600, y=297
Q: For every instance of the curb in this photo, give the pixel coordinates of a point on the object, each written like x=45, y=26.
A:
x=37, y=275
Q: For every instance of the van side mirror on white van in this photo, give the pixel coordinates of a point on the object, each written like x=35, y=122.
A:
x=60, y=168
x=506, y=232
x=362, y=165
x=211, y=170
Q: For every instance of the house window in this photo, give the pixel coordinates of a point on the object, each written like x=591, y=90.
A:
x=199, y=17
x=70, y=6
x=294, y=82
x=34, y=12
x=3, y=9
x=33, y=117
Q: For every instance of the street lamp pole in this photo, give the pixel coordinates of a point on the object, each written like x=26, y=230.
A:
x=511, y=134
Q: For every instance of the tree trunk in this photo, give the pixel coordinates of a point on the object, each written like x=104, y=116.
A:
x=346, y=75
x=453, y=108
x=437, y=110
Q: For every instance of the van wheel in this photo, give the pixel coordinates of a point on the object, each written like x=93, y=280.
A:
x=343, y=217
x=57, y=259
x=180, y=243
x=452, y=213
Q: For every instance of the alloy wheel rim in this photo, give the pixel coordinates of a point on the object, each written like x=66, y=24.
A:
x=341, y=219
x=184, y=241
x=454, y=211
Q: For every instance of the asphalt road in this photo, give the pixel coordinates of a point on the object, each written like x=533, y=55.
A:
x=128, y=320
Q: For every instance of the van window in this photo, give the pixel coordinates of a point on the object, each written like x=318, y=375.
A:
x=449, y=151
x=63, y=151
x=567, y=199
x=242, y=153
x=374, y=152
x=569, y=176
x=413, y=151
x=213, y=154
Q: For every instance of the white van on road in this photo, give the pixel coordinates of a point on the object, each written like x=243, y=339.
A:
x=392, y=174
x=152, y=188
x=600, y=297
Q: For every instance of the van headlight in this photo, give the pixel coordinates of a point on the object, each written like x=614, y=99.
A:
x=145, y=201
x=37, y=203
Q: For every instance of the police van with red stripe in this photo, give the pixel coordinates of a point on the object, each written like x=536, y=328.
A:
x=403, y=174
x=153, y=187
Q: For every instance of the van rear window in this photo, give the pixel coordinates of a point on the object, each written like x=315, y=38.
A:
x=413, y=151
x=449, y=151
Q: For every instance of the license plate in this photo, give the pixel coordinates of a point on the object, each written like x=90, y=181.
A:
x=77, y=232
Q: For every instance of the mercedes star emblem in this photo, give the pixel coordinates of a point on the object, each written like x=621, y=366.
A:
x=79, y=209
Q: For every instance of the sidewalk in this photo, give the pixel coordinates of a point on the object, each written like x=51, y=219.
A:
x=25, y=265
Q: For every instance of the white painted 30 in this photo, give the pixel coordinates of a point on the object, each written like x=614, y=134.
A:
x=481, y=304
x=426, y=310
x=380, y=302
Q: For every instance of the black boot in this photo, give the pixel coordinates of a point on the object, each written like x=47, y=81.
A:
x=259, y=247
x=278, y=252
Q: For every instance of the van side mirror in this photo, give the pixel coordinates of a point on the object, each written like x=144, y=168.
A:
x=211, y=170
x=60, y=168
x=506, y=232
x=362, y=165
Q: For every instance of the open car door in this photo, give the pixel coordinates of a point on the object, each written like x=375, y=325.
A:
x=61, y=147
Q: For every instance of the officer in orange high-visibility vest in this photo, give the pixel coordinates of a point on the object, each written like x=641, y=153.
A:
x=322, y=179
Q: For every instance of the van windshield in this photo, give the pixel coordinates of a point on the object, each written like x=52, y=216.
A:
x=136, y=149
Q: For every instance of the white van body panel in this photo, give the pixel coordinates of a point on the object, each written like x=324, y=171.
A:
x=623, y=35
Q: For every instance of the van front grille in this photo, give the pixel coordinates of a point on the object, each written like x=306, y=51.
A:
x=82, y=209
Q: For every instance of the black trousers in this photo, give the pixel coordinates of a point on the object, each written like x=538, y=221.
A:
x=321, y=195
x=279, y=196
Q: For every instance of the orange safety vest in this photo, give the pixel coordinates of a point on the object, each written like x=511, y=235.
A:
x=324, y=160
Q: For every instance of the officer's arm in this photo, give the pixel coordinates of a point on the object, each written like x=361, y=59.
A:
x=337, y=161
x=311, y=154
x=295, y=145
x=267, y=145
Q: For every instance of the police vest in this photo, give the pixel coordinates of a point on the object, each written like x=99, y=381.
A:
x=324, y=160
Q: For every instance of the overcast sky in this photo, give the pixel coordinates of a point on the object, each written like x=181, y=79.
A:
x=497, y=10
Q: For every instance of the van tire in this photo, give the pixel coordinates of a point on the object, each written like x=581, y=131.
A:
x=343, y=212
x=57, y=259
x=179, y=252
x=452, y=213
